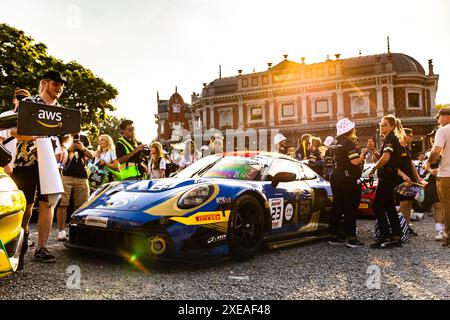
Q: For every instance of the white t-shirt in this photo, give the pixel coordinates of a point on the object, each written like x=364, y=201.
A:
x=442, y=139
x=108, y=156
x=419, y=167
x=156, y=173
x=5, y=134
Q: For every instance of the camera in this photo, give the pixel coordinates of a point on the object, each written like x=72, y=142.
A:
x=146, y=150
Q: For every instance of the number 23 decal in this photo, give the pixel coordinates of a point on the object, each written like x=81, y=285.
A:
x=276, y=210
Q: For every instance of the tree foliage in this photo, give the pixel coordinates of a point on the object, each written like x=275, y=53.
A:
x=22, y=63
x=110, y=127
x=440, y=106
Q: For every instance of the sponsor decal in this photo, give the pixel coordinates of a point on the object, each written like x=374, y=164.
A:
x=202, y=218
x=289, y=212
x=363, y=205
x=305, y=210
x=45, y=115
x=223, y=200
x=210, y=217
x=96, y=222
x=218, y=238
x=276, y=210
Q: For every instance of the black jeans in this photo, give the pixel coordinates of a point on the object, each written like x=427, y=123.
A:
x=384, y=208
x=346, y=198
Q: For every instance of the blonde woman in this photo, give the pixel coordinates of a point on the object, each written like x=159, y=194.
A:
x=387, y=171
x=157, y=164
x=106, y=153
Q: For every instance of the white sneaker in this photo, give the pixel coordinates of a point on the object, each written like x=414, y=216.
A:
x=62, y=235
x=440, y=235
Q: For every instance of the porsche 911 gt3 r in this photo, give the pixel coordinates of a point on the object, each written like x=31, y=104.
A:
x=222, y=205
x=12, y=207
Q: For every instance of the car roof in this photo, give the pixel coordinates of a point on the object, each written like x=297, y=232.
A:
x=249, y=154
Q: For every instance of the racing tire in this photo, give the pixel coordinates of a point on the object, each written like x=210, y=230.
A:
x=245, y=228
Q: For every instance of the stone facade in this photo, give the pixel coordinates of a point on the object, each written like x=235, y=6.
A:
x=298, y=98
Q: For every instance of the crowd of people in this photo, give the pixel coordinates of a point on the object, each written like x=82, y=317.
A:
x=339, y=159
x=82, y=168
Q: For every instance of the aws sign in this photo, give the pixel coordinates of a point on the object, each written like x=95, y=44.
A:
x=37, y=119
x=45, y=116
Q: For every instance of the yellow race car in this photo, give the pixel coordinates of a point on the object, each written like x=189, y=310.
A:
x=12, y=207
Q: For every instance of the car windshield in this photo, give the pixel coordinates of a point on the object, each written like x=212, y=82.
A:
x=238, y=168
x=197, y=166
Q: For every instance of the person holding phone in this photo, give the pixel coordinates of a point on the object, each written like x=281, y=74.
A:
x=74, y=178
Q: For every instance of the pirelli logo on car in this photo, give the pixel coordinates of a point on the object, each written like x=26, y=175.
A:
x=210, y=217
x=204, y=218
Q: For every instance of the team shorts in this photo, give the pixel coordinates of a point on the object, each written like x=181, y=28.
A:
x=27, y=180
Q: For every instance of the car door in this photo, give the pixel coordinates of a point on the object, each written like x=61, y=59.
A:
x=288, y=200
x=319, y=202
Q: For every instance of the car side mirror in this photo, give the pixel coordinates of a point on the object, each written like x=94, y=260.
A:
x=283, y=177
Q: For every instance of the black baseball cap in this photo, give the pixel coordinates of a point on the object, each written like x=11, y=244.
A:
x=443, y=112
x=55, y=76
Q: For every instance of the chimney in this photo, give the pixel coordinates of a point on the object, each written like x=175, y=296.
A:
x=269, y=65
x=285, y=56
x=430, y=67
x=240, y=71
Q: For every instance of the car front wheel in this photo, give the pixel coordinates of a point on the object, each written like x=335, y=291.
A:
x=245, y=228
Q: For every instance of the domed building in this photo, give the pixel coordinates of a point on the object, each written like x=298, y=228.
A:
x=297, y=98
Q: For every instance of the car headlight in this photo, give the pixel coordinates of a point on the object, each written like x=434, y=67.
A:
x=11, y=202
x=195, y=197
x=11, y=199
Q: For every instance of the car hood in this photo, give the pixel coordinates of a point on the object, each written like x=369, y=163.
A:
x=153, y=196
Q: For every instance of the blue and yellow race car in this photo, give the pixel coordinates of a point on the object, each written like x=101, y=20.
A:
x=229, y=204
x=12, y=207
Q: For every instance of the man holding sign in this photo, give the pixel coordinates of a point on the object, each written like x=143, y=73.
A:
x=26, y=168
